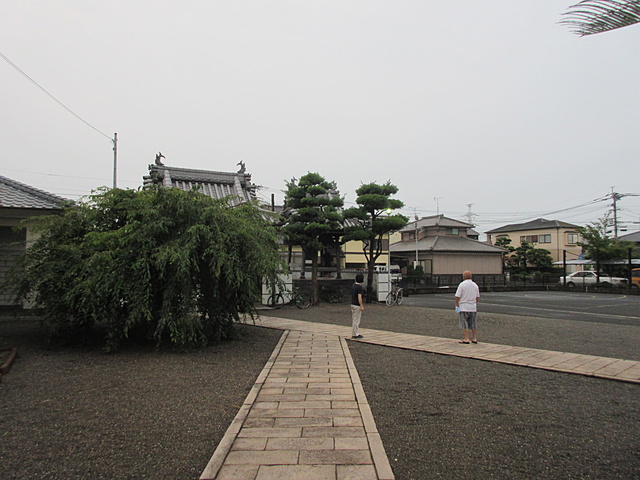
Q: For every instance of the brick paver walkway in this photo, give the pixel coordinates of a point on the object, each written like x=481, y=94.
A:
x=307, y=416
x=602, y=367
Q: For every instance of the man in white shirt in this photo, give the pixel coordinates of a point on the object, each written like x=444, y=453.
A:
x=467, y=298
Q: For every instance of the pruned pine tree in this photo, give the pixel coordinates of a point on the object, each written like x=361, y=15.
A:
x=589, y=17
x=371, y=220
x=316, y=216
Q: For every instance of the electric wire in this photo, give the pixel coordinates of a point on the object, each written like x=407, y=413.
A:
x=24, y=74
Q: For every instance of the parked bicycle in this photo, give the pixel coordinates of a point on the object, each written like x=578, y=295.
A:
x=299, y=299
x=395, y=295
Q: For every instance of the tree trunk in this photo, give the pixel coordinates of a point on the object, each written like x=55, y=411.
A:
x=314, y=278
x=372, y=262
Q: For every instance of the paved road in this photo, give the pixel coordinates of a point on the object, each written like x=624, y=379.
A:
x=591, y=307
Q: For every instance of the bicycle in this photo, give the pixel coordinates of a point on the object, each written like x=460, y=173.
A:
x=394, y=296
x=299, y=299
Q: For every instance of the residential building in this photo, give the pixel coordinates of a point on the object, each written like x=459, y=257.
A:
x=631, y=237
x=555, y=236
x=19, y=202
x=441, y=245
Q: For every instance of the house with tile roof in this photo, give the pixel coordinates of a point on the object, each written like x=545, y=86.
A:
x=554, y=236
x=631, y=237
x=443, y=246
x=17, y=203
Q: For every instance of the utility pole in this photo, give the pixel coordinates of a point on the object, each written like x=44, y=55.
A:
x=115, y=160
x=416, y=263
x=437, y=200
x=615, y=197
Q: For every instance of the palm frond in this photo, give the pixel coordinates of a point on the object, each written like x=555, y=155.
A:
x=596, y=16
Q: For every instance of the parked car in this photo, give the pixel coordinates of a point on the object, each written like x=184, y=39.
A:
x=635, y=278
x=591, y=278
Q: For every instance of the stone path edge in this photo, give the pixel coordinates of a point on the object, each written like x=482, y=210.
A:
x=222, y=450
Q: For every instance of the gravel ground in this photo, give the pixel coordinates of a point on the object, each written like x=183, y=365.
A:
x=454, y=418
x=78, y=413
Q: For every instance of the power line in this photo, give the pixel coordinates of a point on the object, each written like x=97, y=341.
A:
x=24, y=74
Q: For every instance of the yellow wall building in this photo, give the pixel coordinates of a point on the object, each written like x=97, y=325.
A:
x=554, y=236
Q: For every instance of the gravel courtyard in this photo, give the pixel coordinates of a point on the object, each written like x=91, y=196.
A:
x=76, y=413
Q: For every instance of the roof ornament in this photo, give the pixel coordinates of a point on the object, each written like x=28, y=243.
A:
x=158, y=157
x=242, y=166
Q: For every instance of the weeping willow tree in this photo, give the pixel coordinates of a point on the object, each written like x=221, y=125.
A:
x=597, y=16
x=173, y=267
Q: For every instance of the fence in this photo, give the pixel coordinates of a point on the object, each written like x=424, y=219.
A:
x=438, y=283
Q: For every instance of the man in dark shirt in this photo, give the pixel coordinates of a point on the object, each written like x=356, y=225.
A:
x=357, y=305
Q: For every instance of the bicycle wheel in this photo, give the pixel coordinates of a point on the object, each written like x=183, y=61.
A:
x=276, y=301
x=302, y=300
x=399, y=299
x=391, y=299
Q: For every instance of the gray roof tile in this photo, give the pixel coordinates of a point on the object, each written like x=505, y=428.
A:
x=14, y=194
x=436, y=221
x=537, y=224
x=630, y=237
x=237, y=187
x=444, y=243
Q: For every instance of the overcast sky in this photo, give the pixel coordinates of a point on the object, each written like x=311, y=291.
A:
x=489, y=103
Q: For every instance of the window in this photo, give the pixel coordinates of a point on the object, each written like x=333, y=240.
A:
x=572, y=238
x=529, y=238
x=377, y=244
x=454, y=231
x=544, y=238
x=408, y=236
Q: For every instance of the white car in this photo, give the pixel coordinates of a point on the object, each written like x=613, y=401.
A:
x=590, y=278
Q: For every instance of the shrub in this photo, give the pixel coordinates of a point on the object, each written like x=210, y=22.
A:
x=177, y=267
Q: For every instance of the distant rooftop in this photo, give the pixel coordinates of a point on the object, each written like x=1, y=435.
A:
x=436, y=221
x=537, y=224
x=630, y=237
x=446, y=243
x=14, y=194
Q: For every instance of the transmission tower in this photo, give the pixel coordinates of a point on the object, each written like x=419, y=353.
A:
x=469, y=216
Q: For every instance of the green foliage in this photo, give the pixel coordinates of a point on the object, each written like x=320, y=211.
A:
x=415, y=272
x=315, y=220
x=597, y=245
x=588, y=17
x=176, y=267
x=504, y=242
x=526, y=256
x=372, y=220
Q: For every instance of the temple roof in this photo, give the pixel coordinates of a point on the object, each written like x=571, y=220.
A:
x=236, y=187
